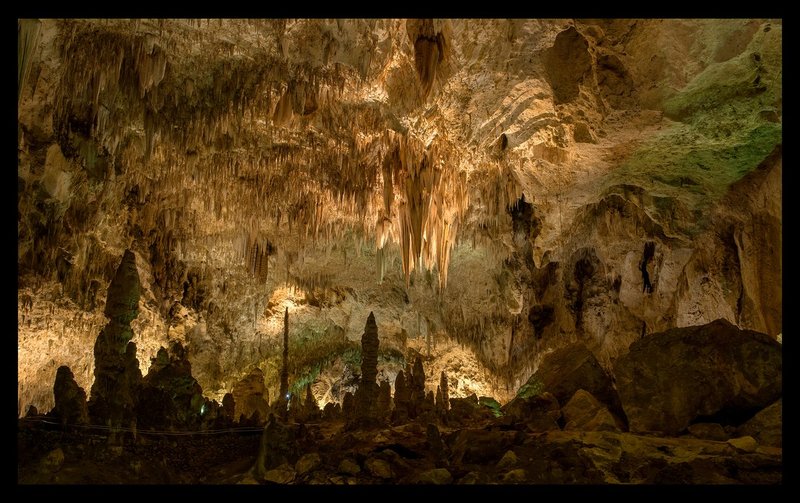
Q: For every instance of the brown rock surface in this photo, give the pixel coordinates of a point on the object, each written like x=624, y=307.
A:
x=670, y=379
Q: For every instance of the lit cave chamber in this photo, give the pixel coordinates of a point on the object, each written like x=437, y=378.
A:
x=399, y=251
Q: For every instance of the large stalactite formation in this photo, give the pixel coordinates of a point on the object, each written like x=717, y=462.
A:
x=485, y=187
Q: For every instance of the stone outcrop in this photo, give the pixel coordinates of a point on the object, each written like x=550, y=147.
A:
x=540, y=412
x=251, y=396
x=170, y=396
x=117, y=376
x=684, y=375
x=766, y=426
x=70, y=399
x=574, y=367
x=583, y=412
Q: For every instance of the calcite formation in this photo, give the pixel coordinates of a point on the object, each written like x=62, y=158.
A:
x=118, y=379
x=536, y=214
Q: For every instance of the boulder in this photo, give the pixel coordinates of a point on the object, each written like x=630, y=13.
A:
x=766, y=426
x=517, y=476
x=468, y=410
x=281, y=475
x=472, y=478
x=509, y=460
x=539, y=412
x=583, y=412
x=307, y=463
x=436, y=476
x=744, y=444
x=378, y=468
x=481, y=446
x=574, y=367
x=708, y=431
x=671, y=379
x=349, y=467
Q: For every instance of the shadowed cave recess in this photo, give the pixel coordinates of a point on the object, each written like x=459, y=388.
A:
x=396, y=251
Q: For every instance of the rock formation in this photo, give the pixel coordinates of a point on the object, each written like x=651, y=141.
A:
x=583, y=412
x=528, y=202
x=117, y=375
x=251, y=396
x=70, y=399
x=566, y=370
x=671, y=379
x=170, y=397
x=367, y=394
x=401, y=401
x=283, y=393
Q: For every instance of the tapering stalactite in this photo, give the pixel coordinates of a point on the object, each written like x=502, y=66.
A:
x=27, y=39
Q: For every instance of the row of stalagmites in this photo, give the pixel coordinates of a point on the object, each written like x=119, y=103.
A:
x=169, y=397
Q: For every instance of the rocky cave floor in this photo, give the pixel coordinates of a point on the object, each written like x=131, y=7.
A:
x=489, y=452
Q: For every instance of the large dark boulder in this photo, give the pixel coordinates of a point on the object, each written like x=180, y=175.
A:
x=574, y=367
x=766, y=426
x=709, y=373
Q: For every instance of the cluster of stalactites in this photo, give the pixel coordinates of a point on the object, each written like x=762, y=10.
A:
x=430, y=203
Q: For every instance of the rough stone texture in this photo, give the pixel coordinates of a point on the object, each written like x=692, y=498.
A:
x=307, y=463
x=228, y=408
x=170, y=397
x=437, y=476
x=539, y=412
x=474, y=446
x=508, y=461
x=744, y=444
x=311, y=410
x=53, y=461
x=416, y=388
x=281, y=475
x=278, y=446
x=567, y=370
x=467, y=410
x=332, y=411
x=668, y=380
x=379, y=468
x=402, y=397
x=250, y=395
x=584, y=412
x=766, y=426
x=367, y=393
x=372, y=133
x=349, y=467
x=384, y=401
x=518, y=476
x=70, y=399
x=117, y=375
x=708, y=431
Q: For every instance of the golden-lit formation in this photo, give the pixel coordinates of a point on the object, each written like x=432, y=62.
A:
x=483, y=232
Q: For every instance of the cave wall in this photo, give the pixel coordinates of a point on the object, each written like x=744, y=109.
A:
x=488, y=202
